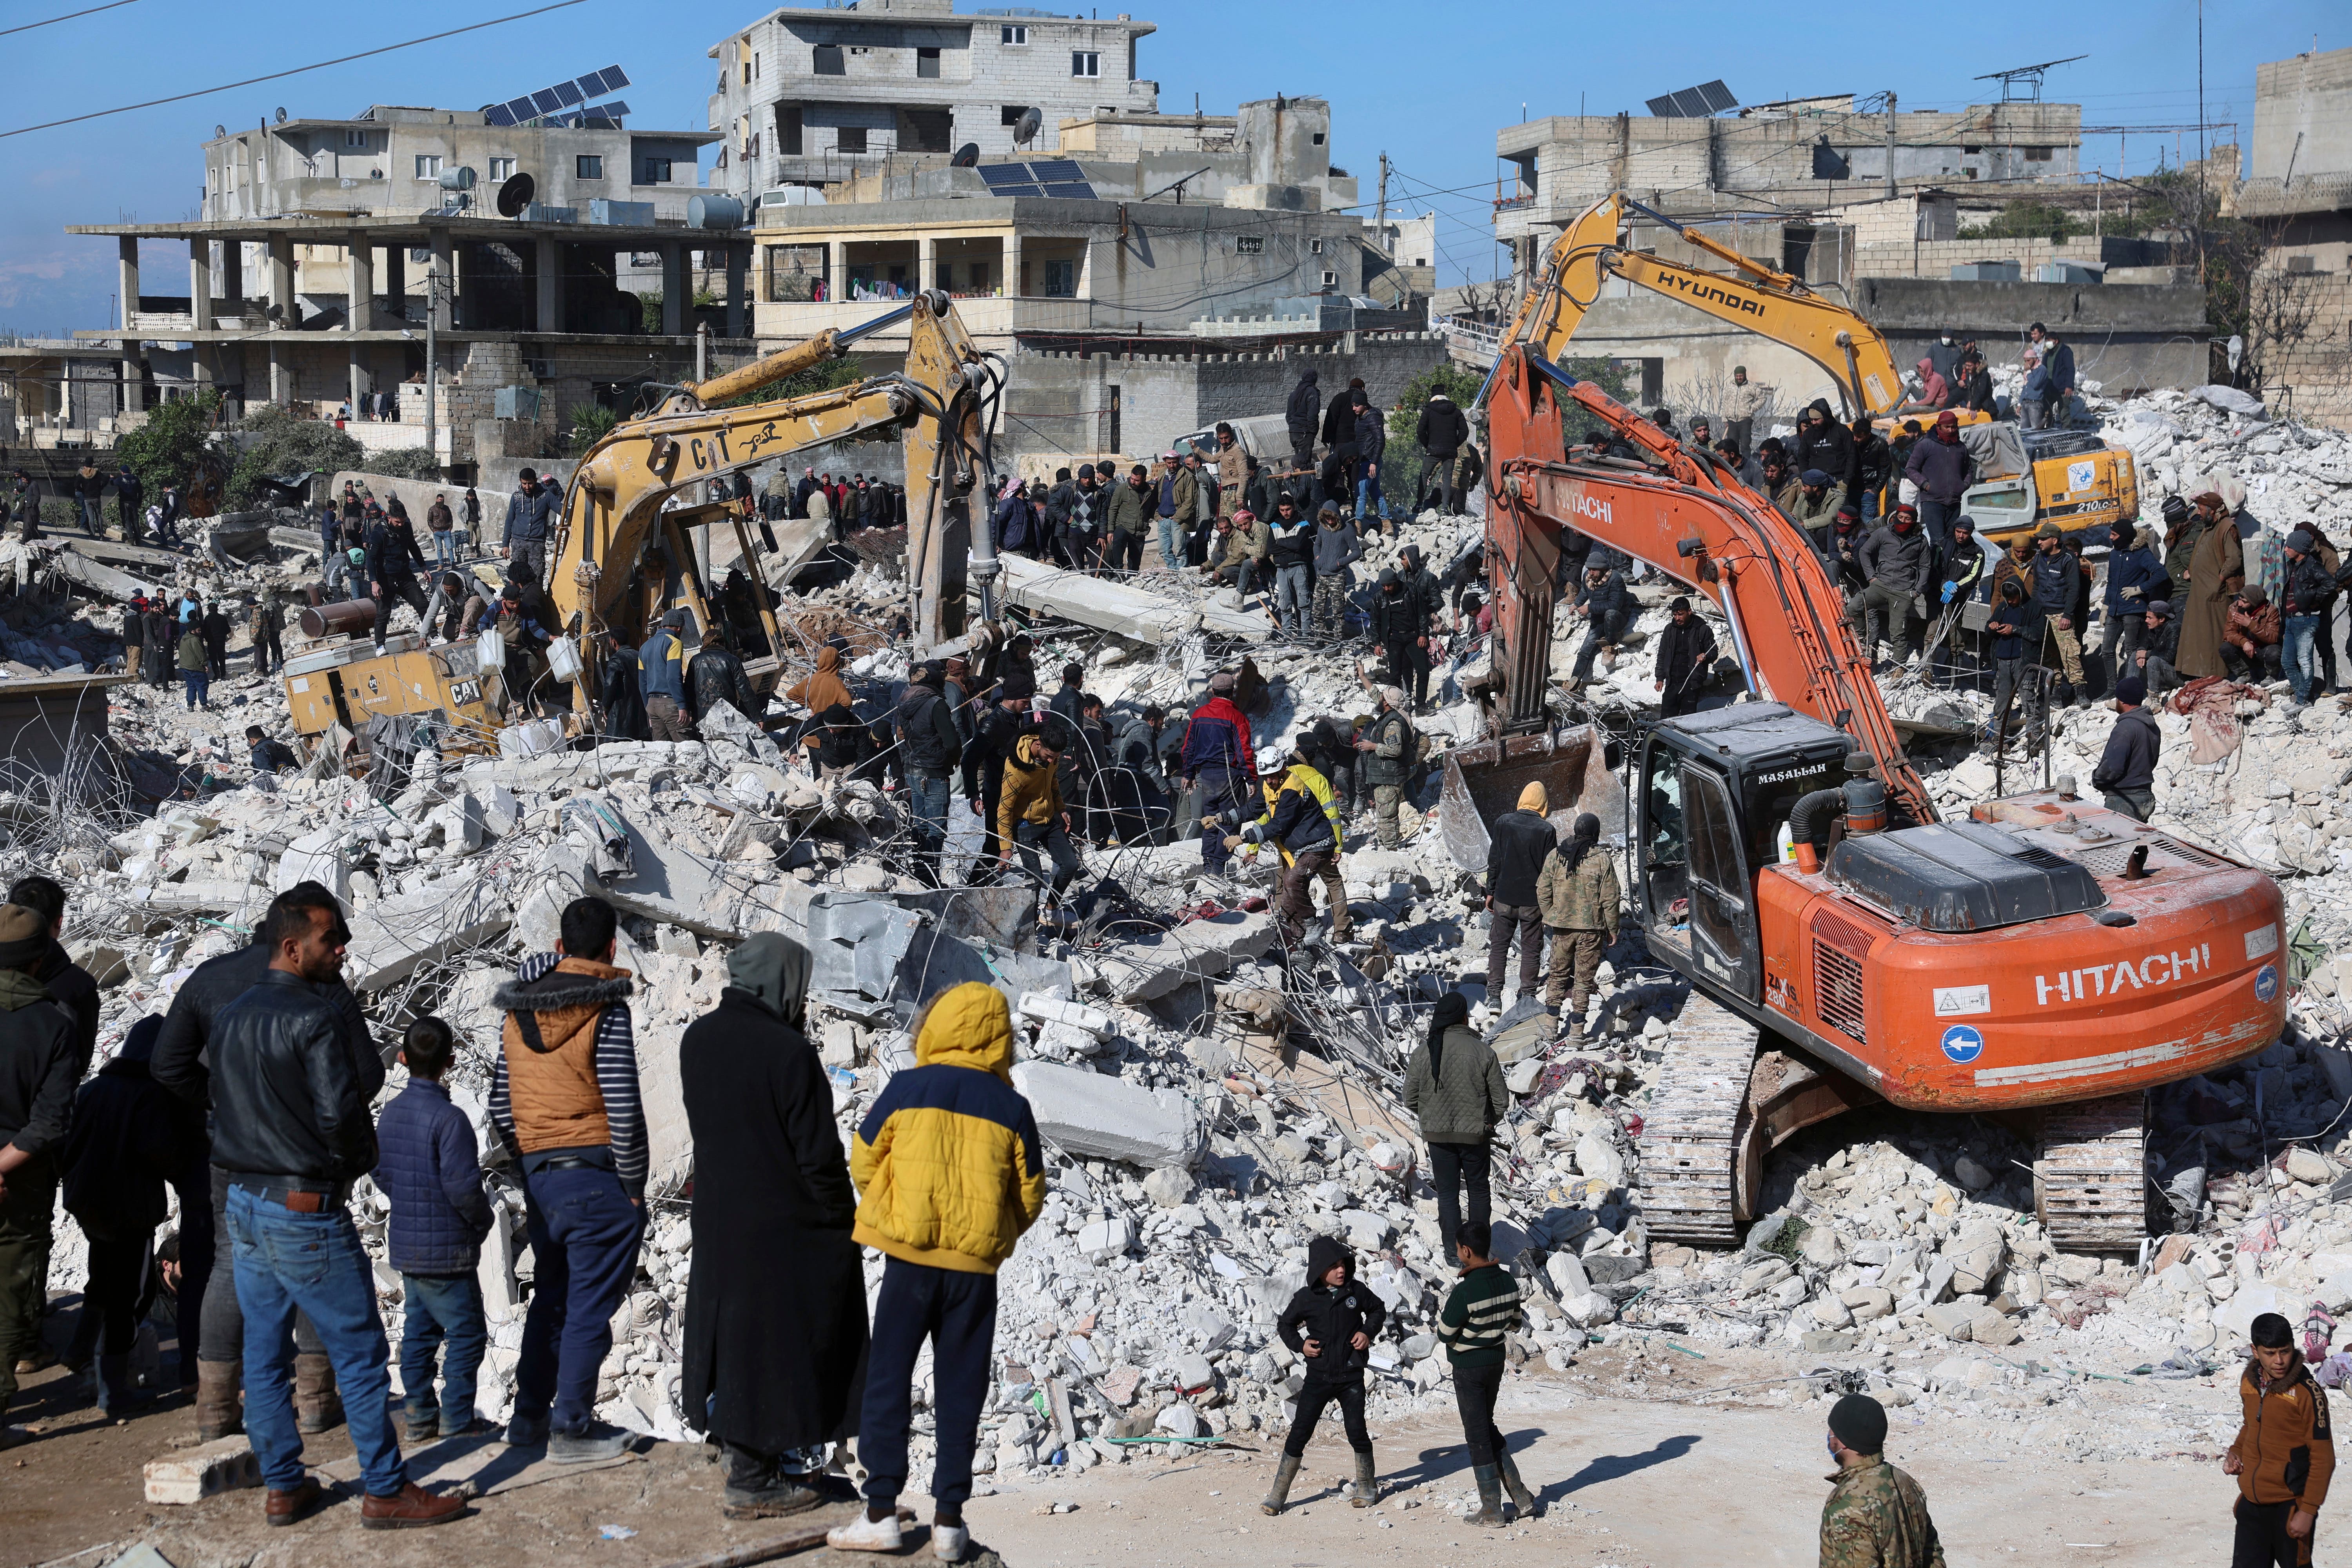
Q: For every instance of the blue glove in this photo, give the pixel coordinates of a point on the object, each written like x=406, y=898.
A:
x=1950, y=589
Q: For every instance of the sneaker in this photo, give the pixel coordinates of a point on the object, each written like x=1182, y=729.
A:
x=948, y=1542
x=594, y=1441
x=865, y=1533
x=410, y=1508
x=527, y=1432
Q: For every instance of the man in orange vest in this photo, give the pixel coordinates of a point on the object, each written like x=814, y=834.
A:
x=564, y=1099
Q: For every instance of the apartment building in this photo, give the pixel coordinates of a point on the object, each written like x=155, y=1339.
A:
x=813, y=97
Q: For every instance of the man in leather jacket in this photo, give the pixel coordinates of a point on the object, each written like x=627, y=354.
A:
x=292, y=1129
x=181, y=1064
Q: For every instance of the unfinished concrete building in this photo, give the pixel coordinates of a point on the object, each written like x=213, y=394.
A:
x=2300, y=190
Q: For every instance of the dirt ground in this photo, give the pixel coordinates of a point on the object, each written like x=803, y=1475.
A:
x=1660, y=1474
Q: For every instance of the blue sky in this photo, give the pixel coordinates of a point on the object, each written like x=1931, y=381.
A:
x=1429, y=84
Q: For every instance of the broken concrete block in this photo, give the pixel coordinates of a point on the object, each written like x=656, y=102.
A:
x=1180, y=1420
x=1951, y=1320
x=1119, y=1383
x=1868, y=1303
x=1199, y=950
x=1520, y=1077
x=1192, y=1372
x=2308, y=1166
x=1597, y=1157
x=1167, y=1186
x=1104, y=1118
x=1567, y=1275
x=392, y=937
x=1989, y=1327
x=1106, y=1238
x=1819, y=1247
x=461, y=824
x=1367, y=1231
x=1044, y=1009
x=196, y=1474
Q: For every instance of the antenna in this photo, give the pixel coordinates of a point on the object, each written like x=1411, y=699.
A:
x=2022, y=84
x=1024, y=130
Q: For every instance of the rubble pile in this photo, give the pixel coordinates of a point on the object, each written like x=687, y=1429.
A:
x=1210, y=1101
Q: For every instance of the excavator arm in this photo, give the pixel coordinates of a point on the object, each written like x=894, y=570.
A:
x=613, y=510
x=1759, y=299
x=1690, y=520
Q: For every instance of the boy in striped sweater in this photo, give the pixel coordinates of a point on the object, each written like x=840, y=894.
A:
x=1482, y=1309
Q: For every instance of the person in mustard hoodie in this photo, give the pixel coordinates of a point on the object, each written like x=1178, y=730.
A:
x=2285, y=1454
x=1030, y=815
x=950, y=1173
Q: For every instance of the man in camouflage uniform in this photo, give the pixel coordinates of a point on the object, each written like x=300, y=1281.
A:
x=1389, y=753
x=1876, y=1517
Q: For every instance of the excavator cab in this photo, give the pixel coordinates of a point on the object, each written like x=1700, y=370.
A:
x=1714, y=791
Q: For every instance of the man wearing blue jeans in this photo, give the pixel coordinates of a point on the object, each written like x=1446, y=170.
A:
x=930, y=748
x=2309, y=594
x=563, y=1097
x=291, y=1131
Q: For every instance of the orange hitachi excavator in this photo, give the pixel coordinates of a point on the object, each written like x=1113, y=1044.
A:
x=2044, y=955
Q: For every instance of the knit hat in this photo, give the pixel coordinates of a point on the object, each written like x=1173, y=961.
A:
x=2131, y=690
x=1222, y=682
x=2160, y=608
x=1534, y=798
x=2300, y=541
x=1813, y=477
x=2175, y=508
x=1963, y=524
x=24, y=935
x=1860, y=1422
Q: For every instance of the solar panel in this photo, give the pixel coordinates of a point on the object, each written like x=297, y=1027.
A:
x=1694, y=103
x=498, y=114
x=613, y=110
x=522, y=108
x=1056, y=169
x=1071, y=189
x=569, y=92
x=546, y=101
x=1008, y=180
x=615, y=78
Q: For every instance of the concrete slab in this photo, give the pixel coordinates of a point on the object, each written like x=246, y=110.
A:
x=1105, y=1118
x=390, y=938
x=1199, y=950
x=1114, y=608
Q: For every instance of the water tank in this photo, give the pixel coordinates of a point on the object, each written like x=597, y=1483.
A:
x=714, y=211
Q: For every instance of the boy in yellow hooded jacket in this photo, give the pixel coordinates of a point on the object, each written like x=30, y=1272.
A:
x=950, y=1173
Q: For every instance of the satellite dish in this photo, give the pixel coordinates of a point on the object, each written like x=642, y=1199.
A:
x=967, y=156
x=515, y=195
x=219, y=131
x=460, y=178
x=1024, y=130
x=281, y=117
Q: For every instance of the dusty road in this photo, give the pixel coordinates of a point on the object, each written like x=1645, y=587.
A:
x=1653, y=1479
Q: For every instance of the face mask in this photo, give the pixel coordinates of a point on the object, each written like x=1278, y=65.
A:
x=1829, y=1442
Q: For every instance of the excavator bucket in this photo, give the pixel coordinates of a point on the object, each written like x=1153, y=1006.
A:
x=1484, y=781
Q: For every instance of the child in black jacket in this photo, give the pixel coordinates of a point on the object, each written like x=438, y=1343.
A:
x=1332, y=1323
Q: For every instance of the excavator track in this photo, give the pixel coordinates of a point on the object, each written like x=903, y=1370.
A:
x=1695, y=1128
x=2090, y=1183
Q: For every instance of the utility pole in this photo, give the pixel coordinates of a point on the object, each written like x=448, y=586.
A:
x=432, y=358
x=1381, y=222
x=2201, y=154
x=1890, y=141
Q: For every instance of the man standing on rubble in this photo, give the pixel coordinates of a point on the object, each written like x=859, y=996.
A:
x=40, y=1063
x=1741, y=404
x=564, y=1099
x=1579, y=894
x=162, y=642
x=661, y=674
x=1686, y=654
x=1300, y=416
x=292, y=1129
x=1389, y=752
x=1876, y=1516
x=1518, y=844
x=1030, y=815
x=1899, y=564
x=1217, y=765
x=718, y=677
x=931, y=748
x=1440, y=434
x=2285, y=1453
x=531, y=518
x=1942, y=469
x=393, y=560
x=994, y=738
x=1455, y=1086
x=1130, y=505
x=2057, y=583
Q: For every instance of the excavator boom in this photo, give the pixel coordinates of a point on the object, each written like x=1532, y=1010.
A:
x=1693, y=522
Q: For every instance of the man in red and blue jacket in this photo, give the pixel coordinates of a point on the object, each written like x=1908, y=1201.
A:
x=1217, y=767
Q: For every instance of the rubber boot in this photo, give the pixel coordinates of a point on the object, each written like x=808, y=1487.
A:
x=1368, y=1481
x=316, y=1406
x=1278, y=1495
x=217, y=1412
x=1490, y=1499
x=1522, y=1499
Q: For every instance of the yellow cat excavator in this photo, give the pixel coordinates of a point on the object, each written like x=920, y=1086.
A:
x=2077, y=481
x=620, y=556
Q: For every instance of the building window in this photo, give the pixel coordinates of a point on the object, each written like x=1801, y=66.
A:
x=1085, y=62
x=926, y=63
x=828, y=60
x=658, y=170
x=428, y=165
x=853, y=139
x=1316, y=245
x=355, y=140
x=1318, y=139
x=588, y=166
x=1011, y=114
x=1331, y=279
x=2039, y=154
x=1013, y=35
x=788, y=129
x=501, y=169
x=1061, y=280
x=927, y=129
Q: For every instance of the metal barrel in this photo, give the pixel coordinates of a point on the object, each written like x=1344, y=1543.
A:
x=349, y=615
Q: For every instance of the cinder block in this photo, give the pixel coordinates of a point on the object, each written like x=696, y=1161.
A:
x=192, y=1474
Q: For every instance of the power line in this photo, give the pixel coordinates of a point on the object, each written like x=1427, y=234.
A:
x=94, y=10
x=297, y=71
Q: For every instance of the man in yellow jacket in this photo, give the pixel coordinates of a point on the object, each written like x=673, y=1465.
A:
x=1030, y=815
x=950, y=1173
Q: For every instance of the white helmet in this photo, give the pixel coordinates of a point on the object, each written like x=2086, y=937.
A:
x=1270, y=761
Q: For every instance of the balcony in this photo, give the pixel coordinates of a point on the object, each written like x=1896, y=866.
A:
x=983, y=317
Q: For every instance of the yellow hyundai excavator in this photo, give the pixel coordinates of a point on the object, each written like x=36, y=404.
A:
x=2078, y=480
x=620, y=558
